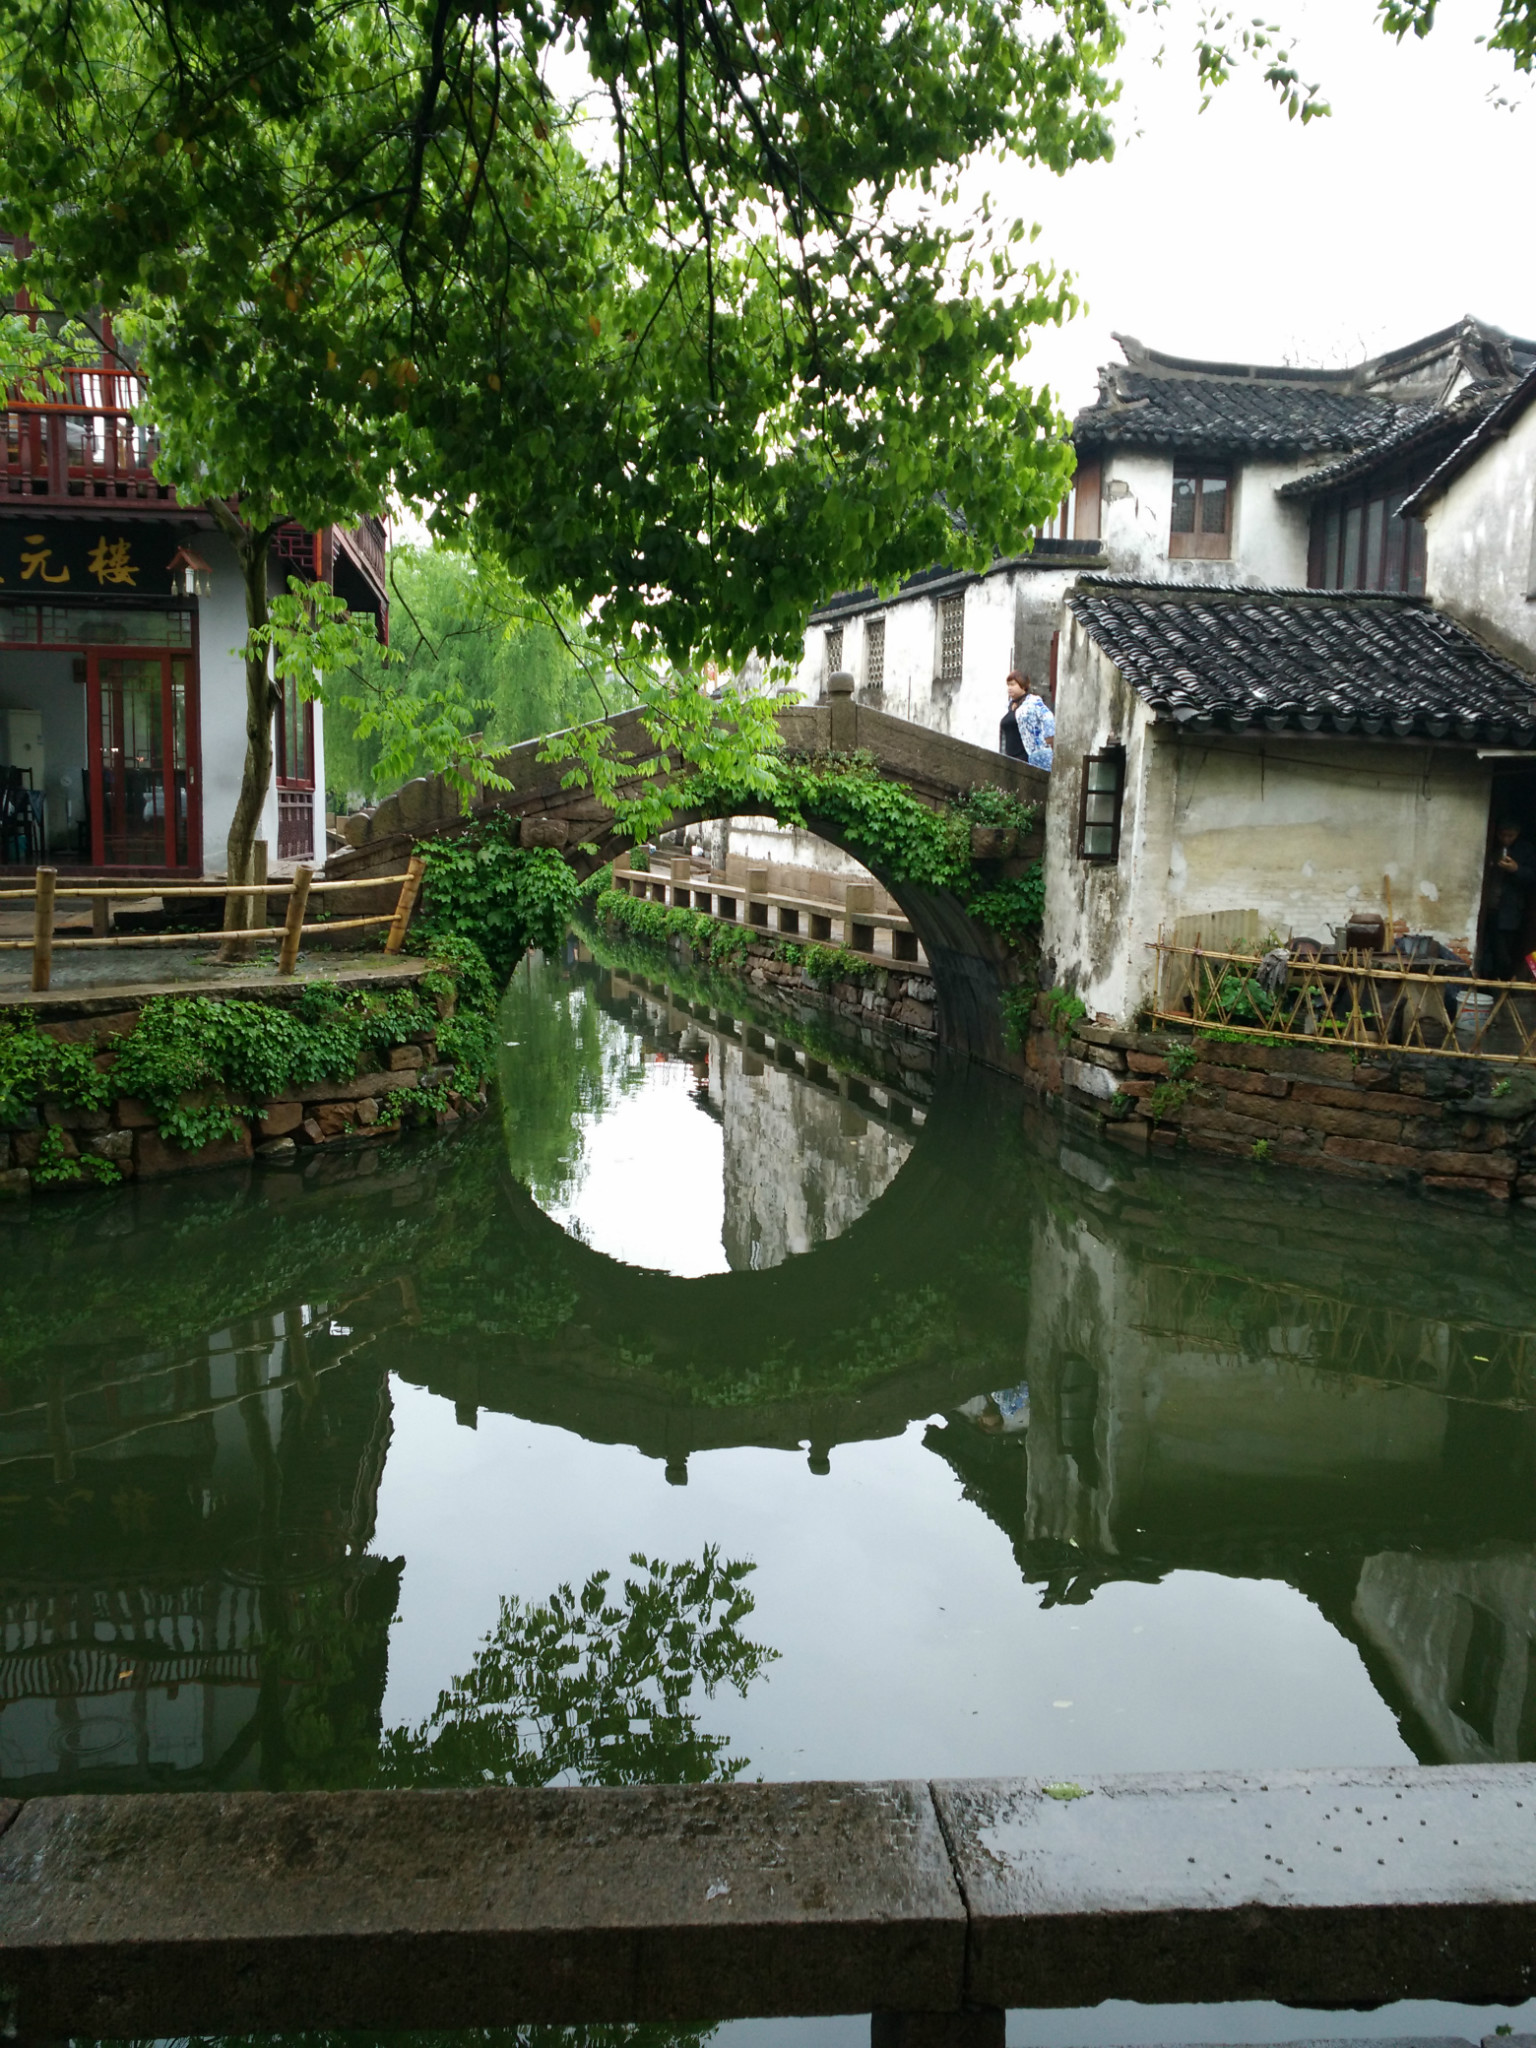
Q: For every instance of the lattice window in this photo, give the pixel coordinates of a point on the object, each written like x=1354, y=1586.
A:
x=834, y=649
x=951, y=638
x=874, y=655
x=295, y=824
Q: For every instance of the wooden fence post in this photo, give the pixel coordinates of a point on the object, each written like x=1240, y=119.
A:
x=293, y=925
x=410, y=889
x=42, y=928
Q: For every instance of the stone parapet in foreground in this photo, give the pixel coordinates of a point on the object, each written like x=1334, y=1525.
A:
x=239, y=1911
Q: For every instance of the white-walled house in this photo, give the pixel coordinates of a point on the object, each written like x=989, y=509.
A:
x=1189, y=472
x=1289, y=757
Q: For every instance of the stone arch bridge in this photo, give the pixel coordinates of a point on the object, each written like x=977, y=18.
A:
x=969, y=962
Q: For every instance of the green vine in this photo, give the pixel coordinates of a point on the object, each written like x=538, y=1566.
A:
x=481, y=885
x=1064, y=1011
x=57, y=1167
x=33, y=1065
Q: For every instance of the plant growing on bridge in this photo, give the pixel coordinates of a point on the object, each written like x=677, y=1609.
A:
x=482, y=886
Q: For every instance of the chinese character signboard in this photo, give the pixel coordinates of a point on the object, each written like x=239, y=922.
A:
x=77, y=558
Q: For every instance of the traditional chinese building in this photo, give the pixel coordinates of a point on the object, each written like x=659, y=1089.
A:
x=122, y=699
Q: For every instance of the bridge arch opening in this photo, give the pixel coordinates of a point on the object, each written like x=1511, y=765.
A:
x=554, y=808
x=969, y=964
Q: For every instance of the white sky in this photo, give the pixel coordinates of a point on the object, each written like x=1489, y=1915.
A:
x=1238, y=234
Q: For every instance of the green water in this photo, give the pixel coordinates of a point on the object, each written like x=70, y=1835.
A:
x=735, y=1399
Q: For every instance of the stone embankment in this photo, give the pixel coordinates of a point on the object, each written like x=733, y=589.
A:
x=892, y=1003
x=366, y=1106
x=1456, y=1126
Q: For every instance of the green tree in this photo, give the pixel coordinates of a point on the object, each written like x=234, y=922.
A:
x=465, y=643
x=687, y=366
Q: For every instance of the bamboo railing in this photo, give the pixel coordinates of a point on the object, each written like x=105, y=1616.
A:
x=46, y=892
x=1439, y=1007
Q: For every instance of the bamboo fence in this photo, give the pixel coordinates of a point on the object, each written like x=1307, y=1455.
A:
x=47, y=891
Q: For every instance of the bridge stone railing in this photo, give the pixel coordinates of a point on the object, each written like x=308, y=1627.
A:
x=934, y=1907
x=933, y=764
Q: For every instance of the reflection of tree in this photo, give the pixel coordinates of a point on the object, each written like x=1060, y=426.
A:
x=564, y=1061
x=581, y=1689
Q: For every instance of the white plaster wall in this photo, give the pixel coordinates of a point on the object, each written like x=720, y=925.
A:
x=1481, y=543
x=1090, y=936
x=1300, y=831
x=761, y=839
x=221, y=675
x=1269, y=534
x=221, y=632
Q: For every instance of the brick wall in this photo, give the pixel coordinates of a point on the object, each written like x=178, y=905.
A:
x=1413, y=1119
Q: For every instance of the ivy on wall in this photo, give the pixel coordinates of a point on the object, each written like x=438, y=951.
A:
x=202, y=1063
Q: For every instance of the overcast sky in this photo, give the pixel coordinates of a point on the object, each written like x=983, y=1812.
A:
x=1240, y=235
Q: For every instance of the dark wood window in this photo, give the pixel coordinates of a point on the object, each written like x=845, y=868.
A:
x=295, y=776
x=1200, y=523
x=1358, y=542
x=874, y=655
x=295, y=741
x=1103, y=795
x=951, y=638
x=1086, y=493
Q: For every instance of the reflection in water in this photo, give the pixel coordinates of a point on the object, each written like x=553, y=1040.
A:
x=788, y=1150
x=579, y=1690
x=1091, y=1462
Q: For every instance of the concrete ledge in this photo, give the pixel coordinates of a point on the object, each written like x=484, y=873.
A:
x=165, y=1915
x=1321, y=1888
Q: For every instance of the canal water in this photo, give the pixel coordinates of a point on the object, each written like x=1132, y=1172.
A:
x=740, y=1399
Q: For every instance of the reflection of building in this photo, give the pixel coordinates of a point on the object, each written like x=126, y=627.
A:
x=1182, y=1417
x=808, y=1148
x=184, y=1595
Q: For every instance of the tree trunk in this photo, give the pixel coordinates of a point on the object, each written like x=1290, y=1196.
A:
x=261, y=702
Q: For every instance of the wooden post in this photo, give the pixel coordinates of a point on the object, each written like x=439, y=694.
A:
x=257, y=906
x=410, y=889
x=101, y=917
x=293, y=925
x=42, y=928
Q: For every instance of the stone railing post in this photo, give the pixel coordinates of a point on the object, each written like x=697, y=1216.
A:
x=843, y=735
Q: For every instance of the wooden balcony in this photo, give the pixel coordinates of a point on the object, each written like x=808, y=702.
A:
x=83, y=446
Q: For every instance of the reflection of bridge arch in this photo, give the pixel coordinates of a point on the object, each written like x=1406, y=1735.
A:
x=965, y=957
x=849, y=1341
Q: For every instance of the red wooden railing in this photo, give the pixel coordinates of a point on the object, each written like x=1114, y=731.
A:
x=81, y=442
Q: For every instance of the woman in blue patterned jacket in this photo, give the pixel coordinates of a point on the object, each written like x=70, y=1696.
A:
x=1027, y=730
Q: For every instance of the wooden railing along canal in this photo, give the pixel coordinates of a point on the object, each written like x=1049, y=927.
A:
x=46, y=892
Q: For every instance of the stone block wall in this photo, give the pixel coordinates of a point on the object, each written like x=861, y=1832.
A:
x=361, y=1108
x=899, y=1004
x=1457, y=1126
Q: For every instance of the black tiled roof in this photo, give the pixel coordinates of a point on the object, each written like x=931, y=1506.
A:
x=1425, y=429
x=1494, y=422
x=1237, y=415
x=1307, y=661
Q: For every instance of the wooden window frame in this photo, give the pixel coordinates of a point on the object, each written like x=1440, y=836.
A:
x=1105, y=857
x=1388, y=552
x=951, y=607
x=1199, y=546
x=283, y=778
x=874, y=653
x=834, y=649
